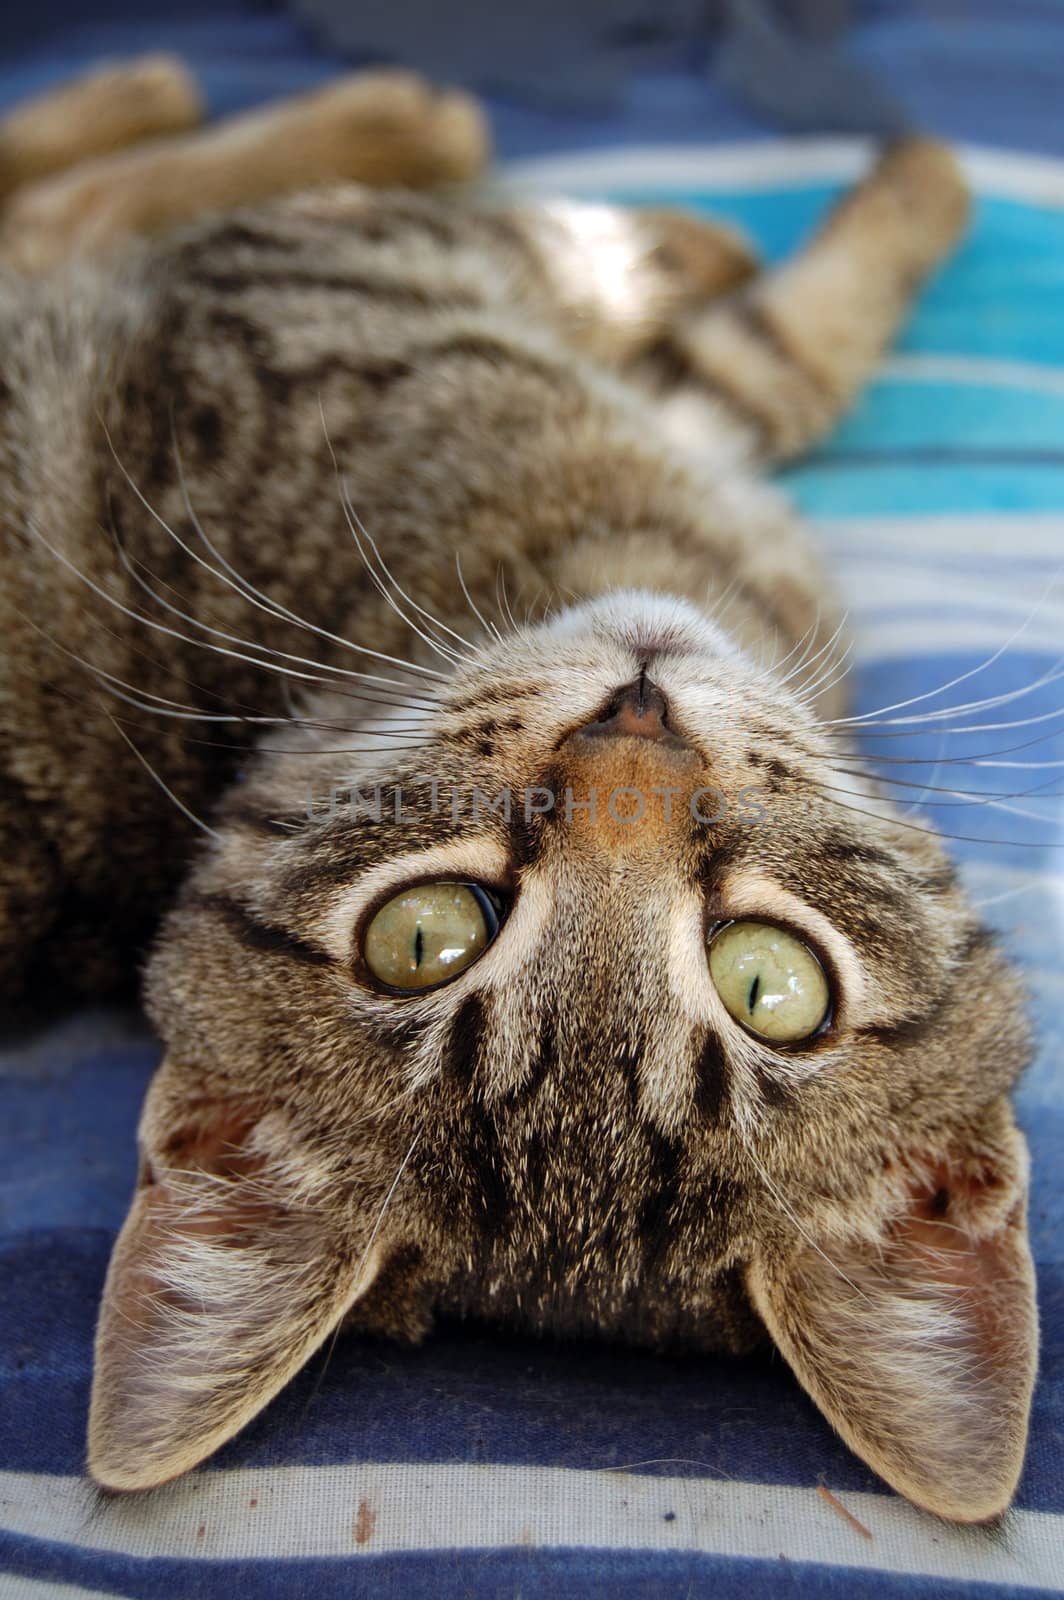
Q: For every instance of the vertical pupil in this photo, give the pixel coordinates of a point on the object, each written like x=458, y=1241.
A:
x=419, y=945
x=755, y=989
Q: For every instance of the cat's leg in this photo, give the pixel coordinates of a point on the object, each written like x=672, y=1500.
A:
x=379, y=128
x=783, y=360
x=94, y=115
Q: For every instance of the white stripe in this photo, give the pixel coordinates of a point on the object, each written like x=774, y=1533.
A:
x=322, y=1511
x=935, y=633
x=15, y=1588
x=1008, y=536
x=979, y=371
x=771, y=164
x=767, y=164
x=945, y=586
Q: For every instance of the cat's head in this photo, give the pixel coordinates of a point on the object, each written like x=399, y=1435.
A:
x=583, y=989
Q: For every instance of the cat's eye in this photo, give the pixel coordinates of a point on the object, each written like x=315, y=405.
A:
x=429, y=933
x=770, y=981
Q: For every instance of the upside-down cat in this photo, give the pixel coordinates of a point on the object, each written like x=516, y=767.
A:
x=540, y=962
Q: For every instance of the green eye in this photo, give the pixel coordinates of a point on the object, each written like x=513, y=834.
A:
x=770, y=981
x=428, y=934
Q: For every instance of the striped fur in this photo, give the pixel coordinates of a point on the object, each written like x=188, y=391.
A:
x=403, y=494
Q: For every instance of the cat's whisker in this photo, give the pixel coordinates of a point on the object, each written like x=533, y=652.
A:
x=833, y=680
x=362, y=1266
x=1053, y=675
x=795, y=1221
x=206, y=644
x=163, y=785
x=774, y=666
x=715, y=608
x=986, y=758
x=245, y=590
x=446, y=652
x=986, y=803
x=289, y=700
x=105, y=679
x=285, y=687
x=489, y=627
x=804, y=660
x=354, y=522
x=962, y=677
x=502, y=598
x=1007, y=894
x=531, y=606
x=465, y=650
x=192, y=713
x=980, y=795
x=113, y=685
x=1006, y=697
x=130, y=565
x=1022, y=766
x=234, y=579
x=832, y=673
x=337, y=750
x=805, y=689
x=831, y=792
x=359, y=532
x=971, y=727
x=777, y=664
x=164, y=667
x=805, y=641
x=1028, y=815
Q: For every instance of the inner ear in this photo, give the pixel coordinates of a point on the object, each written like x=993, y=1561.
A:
x=231, y=1268
x=918, y=1338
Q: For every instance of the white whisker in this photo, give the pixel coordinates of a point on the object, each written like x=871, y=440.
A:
x=163, y=785
x=247, y=591
x=489, y=627
x=962, y=677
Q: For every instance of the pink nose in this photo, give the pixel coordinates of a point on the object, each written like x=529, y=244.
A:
x=638, y=711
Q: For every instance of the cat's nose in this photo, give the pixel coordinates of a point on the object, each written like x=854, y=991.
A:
x=639, y=710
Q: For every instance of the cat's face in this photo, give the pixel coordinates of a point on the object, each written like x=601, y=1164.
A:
x=585, y=992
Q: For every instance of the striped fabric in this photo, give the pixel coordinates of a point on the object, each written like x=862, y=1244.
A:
x=480, y=1466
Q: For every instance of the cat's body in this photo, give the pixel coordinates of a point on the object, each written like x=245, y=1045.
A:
x=403, y=424
x=422, y=352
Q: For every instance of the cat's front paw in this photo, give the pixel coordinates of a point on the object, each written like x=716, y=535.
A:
x=699, y=258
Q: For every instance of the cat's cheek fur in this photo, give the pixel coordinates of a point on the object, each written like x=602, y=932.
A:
x=918, y=1336
x=228, y=1273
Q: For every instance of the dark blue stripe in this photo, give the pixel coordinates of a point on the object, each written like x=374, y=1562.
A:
x=489, y=1575
x=471, y=1394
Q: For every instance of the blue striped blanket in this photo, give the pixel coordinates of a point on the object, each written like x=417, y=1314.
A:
x=479, y=1465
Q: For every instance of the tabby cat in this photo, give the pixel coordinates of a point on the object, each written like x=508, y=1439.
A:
x=387, y=590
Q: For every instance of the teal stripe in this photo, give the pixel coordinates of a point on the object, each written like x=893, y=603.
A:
x=1002, y=294
x=898, y=414
x=904, y=487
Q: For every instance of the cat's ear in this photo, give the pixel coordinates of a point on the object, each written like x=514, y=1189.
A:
x=227, y=1275
x=917, y=1337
